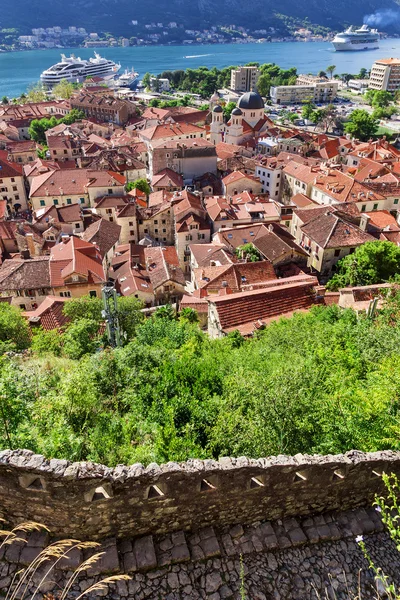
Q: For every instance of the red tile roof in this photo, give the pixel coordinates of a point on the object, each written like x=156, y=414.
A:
x=165, y=131
x=75, y=256
x=49, y=314
x=167, y=178
x=247, y=311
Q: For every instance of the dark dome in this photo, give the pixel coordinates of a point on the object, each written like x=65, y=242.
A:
x=217, y=109
x=251, y=100
x=237, y=112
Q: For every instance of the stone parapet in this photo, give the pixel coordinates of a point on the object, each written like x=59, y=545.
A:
x=95, y=502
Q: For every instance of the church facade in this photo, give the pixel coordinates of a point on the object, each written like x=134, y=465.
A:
x=248, y=120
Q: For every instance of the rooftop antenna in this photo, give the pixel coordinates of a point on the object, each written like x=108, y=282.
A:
x=110, y=314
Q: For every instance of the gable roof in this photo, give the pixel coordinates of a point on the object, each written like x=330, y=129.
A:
x=167, y=178
x=163, y=265
x=22, y=274
x=329, y=230
x=104, y=234
x=75, y=256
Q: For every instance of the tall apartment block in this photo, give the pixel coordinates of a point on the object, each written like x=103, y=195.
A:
x=385, y=75
x=244, y=79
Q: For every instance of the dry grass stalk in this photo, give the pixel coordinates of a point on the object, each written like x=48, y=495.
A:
x=53, y=553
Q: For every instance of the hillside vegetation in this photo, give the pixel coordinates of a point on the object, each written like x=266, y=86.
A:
x=322, y=382
x=116, y=15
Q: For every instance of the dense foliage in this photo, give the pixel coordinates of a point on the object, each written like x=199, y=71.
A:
x=325, y=381
x=38, y=127
x=373, y=262
x=361, y=124
x=205, y=81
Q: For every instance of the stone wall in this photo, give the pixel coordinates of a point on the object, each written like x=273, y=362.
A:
x=179, y=529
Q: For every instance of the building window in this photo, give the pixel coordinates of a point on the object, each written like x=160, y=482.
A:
x=156, y=231
x=131, y=232
x=363, y=208
x=65, y=294
x=352, y=250
x=164, y=221
x=77, y=226
x=42, y=203
x=69, y=201
x=82, y=200
x=337, y=252
x=55, y=202
x=155, y=222
x=93, y=294
x=109, y=191
x=130, y=223
x=375, y=207
x=396, y=201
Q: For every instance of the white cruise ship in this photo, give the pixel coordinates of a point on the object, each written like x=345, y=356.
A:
x=76, y=70
x=128, y=79
x=359, y=39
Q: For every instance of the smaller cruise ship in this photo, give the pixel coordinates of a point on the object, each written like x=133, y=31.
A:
x=77, y=70
x=128, y=79
x=363, y=38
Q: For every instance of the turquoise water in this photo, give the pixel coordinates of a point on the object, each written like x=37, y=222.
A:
x=19, y=69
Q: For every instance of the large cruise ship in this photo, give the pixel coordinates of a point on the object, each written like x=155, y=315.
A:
x=359, y=39
x=76, y=70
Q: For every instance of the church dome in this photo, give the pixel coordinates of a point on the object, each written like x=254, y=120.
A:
x=251, y=101
x=217, y=109
x=236, y=112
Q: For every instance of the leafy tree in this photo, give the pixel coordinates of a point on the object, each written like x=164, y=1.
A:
x=345, y=77
x=373, y=262
x=322, y=74
x=378, y=98
x=139, y=184
x=363, y=74
x=85, y=307
x=228, y=108
x=361, y=124
x=129, y=315
x=154, y=103
x=146, y=80
x=38, y=127
x=384, y=113
x=165, y=312
x=46, y=342
x=248, y=252
x=308, y=110
x=4, y=100
x=36, y=93
x=264, y=84
x=14, y=328
x=63, y=90
x=80, y=338
x=330, y=70
x=189, y=315
x=73, y=116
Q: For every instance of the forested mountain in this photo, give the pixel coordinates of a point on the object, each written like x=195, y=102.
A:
x=116, y=15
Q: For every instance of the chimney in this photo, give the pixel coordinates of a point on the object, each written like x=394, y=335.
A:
x=65, y=238
x=364, y=220
x=224, y=291
x=30, y=243
x=25, y=255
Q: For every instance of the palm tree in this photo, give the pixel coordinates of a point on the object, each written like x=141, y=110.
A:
x=330, y=70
